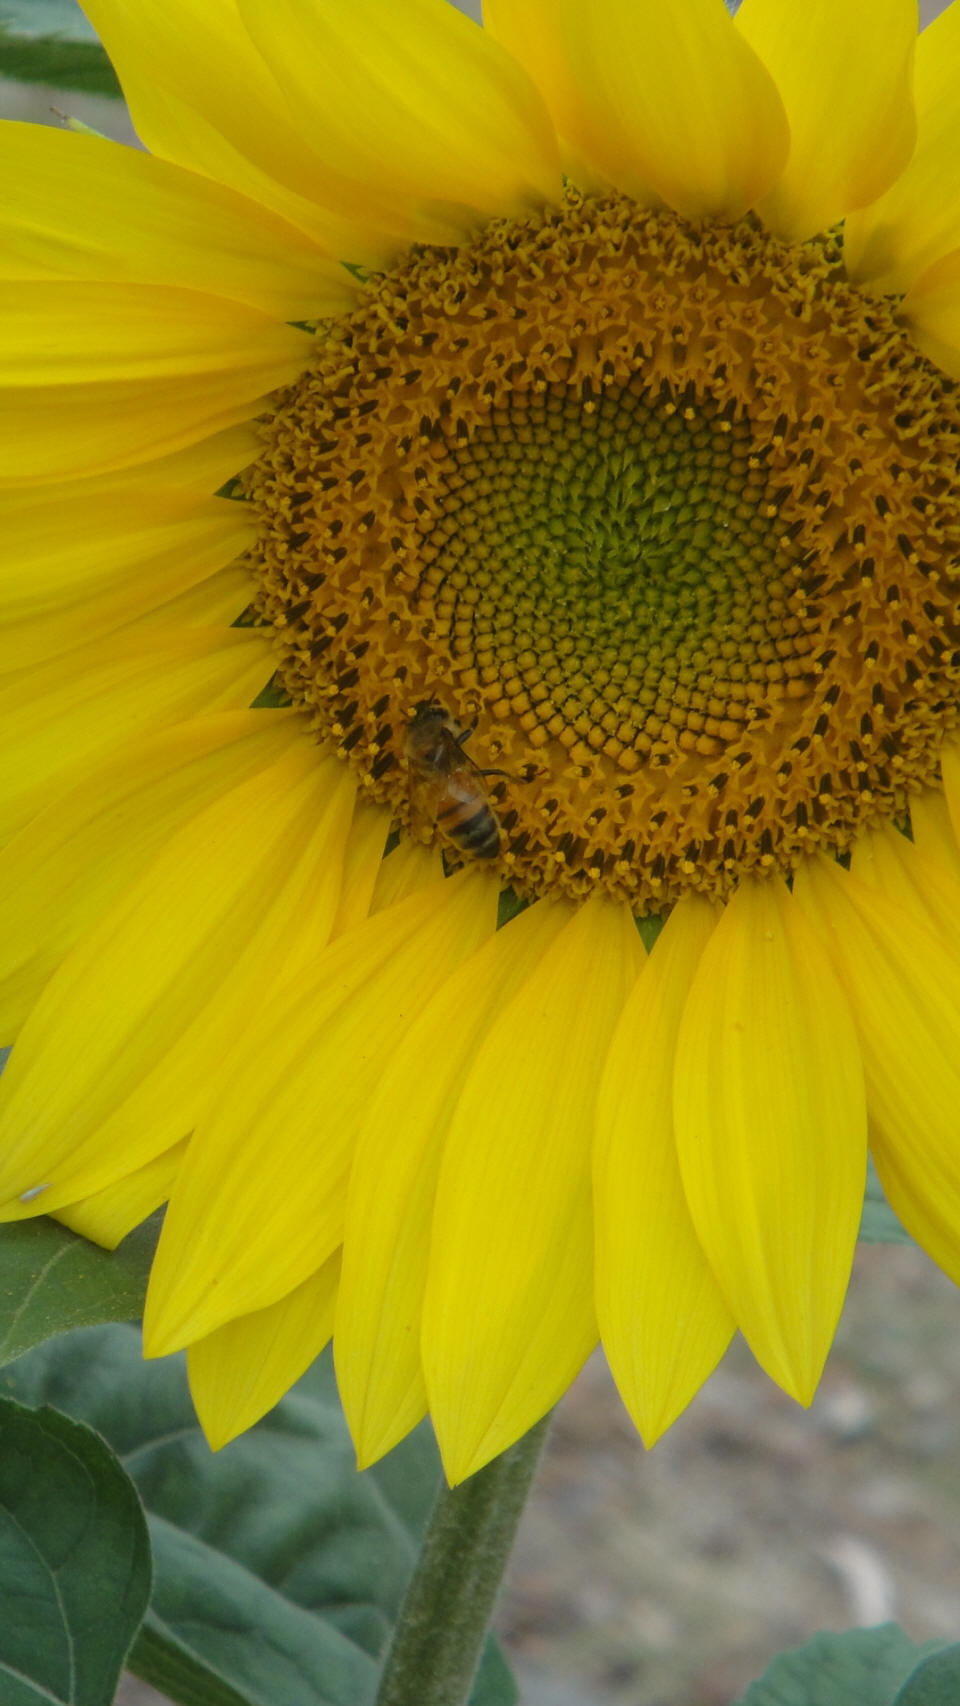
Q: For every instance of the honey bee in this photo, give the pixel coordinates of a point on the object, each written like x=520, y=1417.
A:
x=446, y=788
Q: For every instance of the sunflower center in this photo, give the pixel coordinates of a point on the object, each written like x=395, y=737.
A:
x=666, y=511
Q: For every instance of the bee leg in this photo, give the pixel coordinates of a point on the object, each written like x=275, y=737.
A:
x=465, y=734
x=450, y=865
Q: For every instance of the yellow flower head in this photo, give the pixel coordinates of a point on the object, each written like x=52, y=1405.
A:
x=540, y=440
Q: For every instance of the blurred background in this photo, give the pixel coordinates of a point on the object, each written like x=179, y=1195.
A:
x=671, y=1578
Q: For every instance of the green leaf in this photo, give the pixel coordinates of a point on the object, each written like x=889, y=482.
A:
x=273, y=697
x=935, y=1682
x=51, y=1280
x=74, y=1562
x=510, y=906
x=81, y=65
x=879, y=1224
x=168, y=1667
x=862, y=1667
x=278, y=1568
x=650, y=929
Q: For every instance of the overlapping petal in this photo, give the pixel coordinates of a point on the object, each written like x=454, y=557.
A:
x=932, y=308
x=217, y=601
x=771, y=1129
x=239, y=1371
x=661, y=100
x=508, y=1313
x=362, y=865
x=234, y=125
x=950, y=769
x=126, y=550
x=91, y=333
x=903, y=985
x=409, y=869
x=891, y=243
x=80, y=207
x=532, y=31
x=59, y=722
x=394, y=1178
x=124, y=1048
x=204, y=466
x=260, y=1201
x=663, y=1319
x=76, y=857
x=108, y=1215
x=844, y=70
x=71, y=431
x=108, y=375
x=932, y=830
x=451, y=125
x=248, y=126
x=924, y=886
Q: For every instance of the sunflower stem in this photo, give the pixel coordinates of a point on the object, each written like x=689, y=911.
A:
x=439, y=1636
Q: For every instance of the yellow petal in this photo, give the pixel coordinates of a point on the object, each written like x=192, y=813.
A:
x=931, y=308
x=654, y=97
x=80, y=207
x=216, y=602
x=508, y=1313
x=64, y=716
x=408, y=868
x=925, y=887
x=234, y=126
x=362, y=863
x=933, y=831
x=889, y=244
x=125, y=1047
x=451, y=124
x=663, y=1320
x=106, y=376
x=393, y=1184
x=771, y=1129
x=199, y=469
x=202, y=467
x=904, y=988
x=262, y=1195
x=73, y=860
x=532, y=31
x=237, y=126
x=72, y=431
x=81, y=333
x=844, y=70
x=950, y=769
x=239, y=1372
x=107, y=1216
x=77, y=569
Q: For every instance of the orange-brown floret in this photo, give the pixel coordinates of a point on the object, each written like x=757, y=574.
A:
x=669, y=509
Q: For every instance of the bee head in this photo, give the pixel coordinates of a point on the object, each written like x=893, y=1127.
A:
x=423, y=740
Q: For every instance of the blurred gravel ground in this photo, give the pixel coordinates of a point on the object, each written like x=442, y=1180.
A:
x=671, y=1578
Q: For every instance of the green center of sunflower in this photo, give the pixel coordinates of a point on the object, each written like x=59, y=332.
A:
x=667, y=511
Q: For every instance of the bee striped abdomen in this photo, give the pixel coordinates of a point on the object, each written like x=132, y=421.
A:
x=477, y=834
x=446, y=788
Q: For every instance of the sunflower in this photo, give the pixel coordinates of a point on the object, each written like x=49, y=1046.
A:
x=582, y=387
